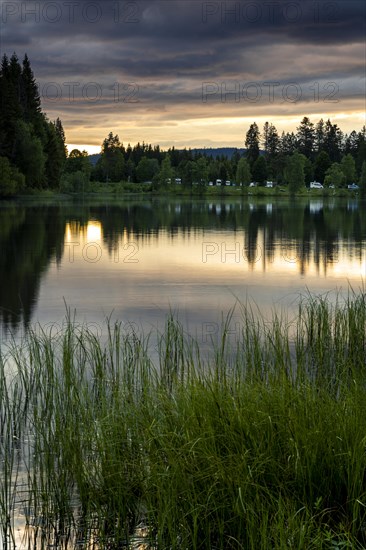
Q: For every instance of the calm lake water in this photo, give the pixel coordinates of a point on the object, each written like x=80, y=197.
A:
x=138, y=259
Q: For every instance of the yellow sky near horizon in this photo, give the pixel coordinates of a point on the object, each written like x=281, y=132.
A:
x=212, y=132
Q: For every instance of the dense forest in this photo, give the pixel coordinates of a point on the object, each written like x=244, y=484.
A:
x=33, y=152
x=320, y=152
x=32, y=149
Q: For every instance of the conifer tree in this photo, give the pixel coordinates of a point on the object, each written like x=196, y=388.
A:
x=252, y=143
x=30, y=99
x=26, y=137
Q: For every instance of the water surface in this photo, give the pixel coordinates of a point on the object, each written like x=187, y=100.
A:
x=139, y=259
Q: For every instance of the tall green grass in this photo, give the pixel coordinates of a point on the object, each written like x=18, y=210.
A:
x=262, y=446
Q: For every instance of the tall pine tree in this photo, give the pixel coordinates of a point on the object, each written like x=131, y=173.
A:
x=28, y=140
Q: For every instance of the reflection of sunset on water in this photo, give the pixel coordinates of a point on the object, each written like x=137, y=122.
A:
x=198, y=256
x=227, y=252
x=92, y=231
x=139, y=258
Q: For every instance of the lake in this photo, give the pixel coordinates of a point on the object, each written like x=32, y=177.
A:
x=136, y=260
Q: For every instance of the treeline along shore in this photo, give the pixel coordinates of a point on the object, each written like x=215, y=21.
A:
x=33, y=154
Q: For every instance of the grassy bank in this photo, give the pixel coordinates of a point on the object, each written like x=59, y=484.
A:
x=122, y=189
x=260, y=447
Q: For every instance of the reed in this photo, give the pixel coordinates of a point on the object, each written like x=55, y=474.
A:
x=262, y=445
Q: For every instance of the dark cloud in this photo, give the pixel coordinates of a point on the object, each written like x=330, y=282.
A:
x=152, y=58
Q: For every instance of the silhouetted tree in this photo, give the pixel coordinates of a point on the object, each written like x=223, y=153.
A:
x=252, y=143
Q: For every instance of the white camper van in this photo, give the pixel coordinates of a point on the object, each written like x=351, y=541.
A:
x=315, y=185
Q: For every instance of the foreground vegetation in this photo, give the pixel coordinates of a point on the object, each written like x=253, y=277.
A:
x=261, y=445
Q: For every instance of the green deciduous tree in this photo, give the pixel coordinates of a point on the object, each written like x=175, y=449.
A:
x=200, y=172
x=259, y=169
x=78, y=161
x=11, y=180
x=294, y=171
x=30, y=158
x=321, y=165
x=363, y=180
x=166, y=173
x=308, y=171
x=147, y=169
x=75, y=182
x=187, y=168
x=348, y=167
x=334, y=175
x=361, y=153
x=243, y=174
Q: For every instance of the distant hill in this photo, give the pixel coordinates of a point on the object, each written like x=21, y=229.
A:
x=208, y=151
x=218, y=151
x=94, y=158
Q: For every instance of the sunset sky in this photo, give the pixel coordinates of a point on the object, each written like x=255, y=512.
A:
x=191, y=73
